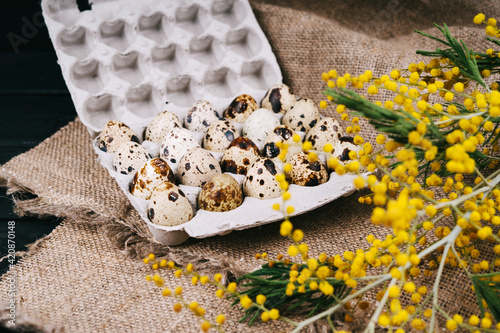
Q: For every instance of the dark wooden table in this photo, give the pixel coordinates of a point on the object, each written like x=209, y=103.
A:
x=34, y=104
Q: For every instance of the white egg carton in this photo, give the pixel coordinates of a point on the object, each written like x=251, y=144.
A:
x=130, y=60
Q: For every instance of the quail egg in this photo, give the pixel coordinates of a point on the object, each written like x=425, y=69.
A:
x=160, y=126
x=169, y=206
x=283, y=134
x=279, y=99
x=343, y=147
x=327, y=130
x=176, y=144
x=306, y=173
x=259, y=124
x=129, y=157
x=197, y=167
x=239, y=156
x=221, y=194
x=114, y=134
x=201, y=115
x=302, y=116
x=152, y=174
x=219, y=135
x=240, y=108
x=260, y=181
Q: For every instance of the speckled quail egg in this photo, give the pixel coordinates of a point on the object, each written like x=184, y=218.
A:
x=201, y=115
x=152, y=174
x=130, y=157
x=327, y=130
x=343, y=147
x=279, y=98
x=259, y=124
x=302, y=116
x=197, y=167
x=283, y=134
x=160, y=126
x=169, y=206
x=239, y=156
x=304, y=172
x=240, y=108
x=219, y=135
x=260, y=181
x=114, y=134
x=176, y=144
x=221, y=194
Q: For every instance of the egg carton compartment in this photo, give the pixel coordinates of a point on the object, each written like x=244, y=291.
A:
x=192, y=18
x=117, y=34
x=222, y=82
x=244, y=42
x=230, y=12
x=76, y=41
x=171, y=59
x=156, y=26
x=89, y=75
x=257, y=73
x=206, y=50
x=101, y=109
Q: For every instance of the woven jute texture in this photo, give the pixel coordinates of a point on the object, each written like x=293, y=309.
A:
x=87, y=277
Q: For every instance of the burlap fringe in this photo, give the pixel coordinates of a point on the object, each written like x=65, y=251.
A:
x=123, y=237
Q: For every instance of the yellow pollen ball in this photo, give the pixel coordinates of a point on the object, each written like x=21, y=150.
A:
x=479, y=18
x=205, y=326
x=328, y=148
x=193, y=305
x=292, y=251
x=359, y=182
x=394, y=291
x=286, y=196
x=372, y=90
x=486, y=323
x=221, y=319
x=298, y=235
x=231, y=287
x=261, y=299
x=274, y=314
x=451, y=325
x=246, y=302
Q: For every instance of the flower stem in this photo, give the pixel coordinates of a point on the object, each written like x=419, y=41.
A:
x=450, y=239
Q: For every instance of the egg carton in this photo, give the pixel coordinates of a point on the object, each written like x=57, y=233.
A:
x=130, y=60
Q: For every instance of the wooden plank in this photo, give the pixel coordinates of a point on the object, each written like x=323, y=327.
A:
x=31, y=72
x=28, y=120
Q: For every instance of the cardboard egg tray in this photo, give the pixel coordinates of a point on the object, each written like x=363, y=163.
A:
x=130, y=60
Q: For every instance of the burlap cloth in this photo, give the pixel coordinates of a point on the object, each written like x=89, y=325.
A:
x=86, y=277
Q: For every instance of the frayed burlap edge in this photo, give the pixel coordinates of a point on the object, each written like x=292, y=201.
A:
x=122, y=237
x=23, y=322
